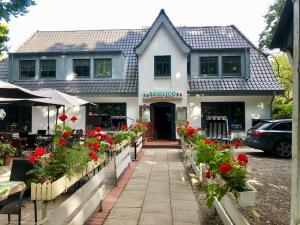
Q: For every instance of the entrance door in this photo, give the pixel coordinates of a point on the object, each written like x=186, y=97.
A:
x=164, y=121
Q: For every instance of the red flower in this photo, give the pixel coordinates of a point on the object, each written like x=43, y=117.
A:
x=63, y=117
x=199, y=129
x=225, y=168
x=236, y=143
x=33, y=159
x=108, y=139
x=190, y=132
x=98, y=129
x=242, y=159
x=62, y=142
x=93, y=155
x=210, y=142
x=225, y=146
x=74, y=118
x=210, y=174
x=95, y=146
x=66, y=134
x=40, y=151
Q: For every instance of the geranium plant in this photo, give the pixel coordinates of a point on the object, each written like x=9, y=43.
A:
x=67, y=157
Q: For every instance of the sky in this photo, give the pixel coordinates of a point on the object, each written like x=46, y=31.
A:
x=247, y=15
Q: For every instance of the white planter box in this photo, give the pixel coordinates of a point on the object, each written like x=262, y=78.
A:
x=47, y=192
x=247, y=198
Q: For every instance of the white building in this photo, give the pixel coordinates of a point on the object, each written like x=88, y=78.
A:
x=163, y=74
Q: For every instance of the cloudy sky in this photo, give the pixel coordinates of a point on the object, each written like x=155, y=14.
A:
x=247, y=15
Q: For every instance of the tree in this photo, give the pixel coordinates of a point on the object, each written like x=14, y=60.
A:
x=271, y=20
x=7, y=9
x=282, y=106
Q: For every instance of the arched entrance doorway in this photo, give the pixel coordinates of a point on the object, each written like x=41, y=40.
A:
x=163, y=117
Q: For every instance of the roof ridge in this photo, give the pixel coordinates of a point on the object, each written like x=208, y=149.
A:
x=142, y=28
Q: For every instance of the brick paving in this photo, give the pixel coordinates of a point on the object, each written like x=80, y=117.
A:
x=158, y=192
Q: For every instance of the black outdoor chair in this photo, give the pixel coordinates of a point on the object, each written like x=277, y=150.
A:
x=31, y=142
x=13, y=203
x=41, y=132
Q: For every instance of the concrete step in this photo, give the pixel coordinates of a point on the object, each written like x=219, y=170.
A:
x=161, y=144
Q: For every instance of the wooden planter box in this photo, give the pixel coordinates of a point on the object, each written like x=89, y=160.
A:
x=47, y=192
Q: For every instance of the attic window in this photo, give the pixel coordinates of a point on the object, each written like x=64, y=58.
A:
x=231, y=65
x=81, y=68
x=27, y=69
x=162, y=66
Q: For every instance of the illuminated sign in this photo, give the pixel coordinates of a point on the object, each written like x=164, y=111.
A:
x=162, y=94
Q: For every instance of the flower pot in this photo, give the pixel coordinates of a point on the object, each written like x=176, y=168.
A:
x=7, y=159
x=247, y=198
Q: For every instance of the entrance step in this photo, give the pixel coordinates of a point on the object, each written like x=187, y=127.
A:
x=161, y=144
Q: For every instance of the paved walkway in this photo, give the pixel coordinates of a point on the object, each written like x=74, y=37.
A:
x=157, y=193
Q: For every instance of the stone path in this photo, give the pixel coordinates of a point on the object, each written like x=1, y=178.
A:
x=158, y=193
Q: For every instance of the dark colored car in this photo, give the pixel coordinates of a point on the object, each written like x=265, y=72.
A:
x=272, y=136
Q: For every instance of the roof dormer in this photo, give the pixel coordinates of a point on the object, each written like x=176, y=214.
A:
x=162, y=20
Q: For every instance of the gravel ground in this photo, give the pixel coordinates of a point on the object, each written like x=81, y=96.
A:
x=271, y=177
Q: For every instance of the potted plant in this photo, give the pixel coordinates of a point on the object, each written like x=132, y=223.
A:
x=6, y=152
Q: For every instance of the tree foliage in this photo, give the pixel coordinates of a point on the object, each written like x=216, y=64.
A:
x=282, y=106
x=271, y=19
x=8, y=9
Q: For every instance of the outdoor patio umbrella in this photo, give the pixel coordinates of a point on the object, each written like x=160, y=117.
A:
x=60, y=98
x=8, y=90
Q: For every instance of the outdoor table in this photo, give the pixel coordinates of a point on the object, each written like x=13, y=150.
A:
x=10, y=187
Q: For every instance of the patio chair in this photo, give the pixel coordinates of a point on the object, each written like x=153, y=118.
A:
x=41, y=132
x=18, y=144
x=14, y=203
x=217, y=128
x=31, y=141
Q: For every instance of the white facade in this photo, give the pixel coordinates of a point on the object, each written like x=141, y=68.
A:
x=163, y=44
x=256, y=107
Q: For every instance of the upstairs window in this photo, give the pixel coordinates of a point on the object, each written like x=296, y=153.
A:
x=103, y=68
x=48, y=68
x=162, y=66
x=231, y=66
x=81, y=68
x=27, y=69
x=209, y=66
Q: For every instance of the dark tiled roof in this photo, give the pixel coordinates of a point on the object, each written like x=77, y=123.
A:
x=261, y=79
x=4, y=68
x=216, y=37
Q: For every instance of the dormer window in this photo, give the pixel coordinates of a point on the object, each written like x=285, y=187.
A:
x=27, y=69
x=81, y=68
x=231, y=66
x=209, y=66
x=48, y=68
x=162, y=66
x=103, y=68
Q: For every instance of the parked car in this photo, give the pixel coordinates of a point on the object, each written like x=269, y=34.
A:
x=273, y=136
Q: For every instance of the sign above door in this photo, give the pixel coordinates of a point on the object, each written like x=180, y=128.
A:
x=163, y=95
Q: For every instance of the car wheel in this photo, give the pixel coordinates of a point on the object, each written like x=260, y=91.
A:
x=283, y=149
